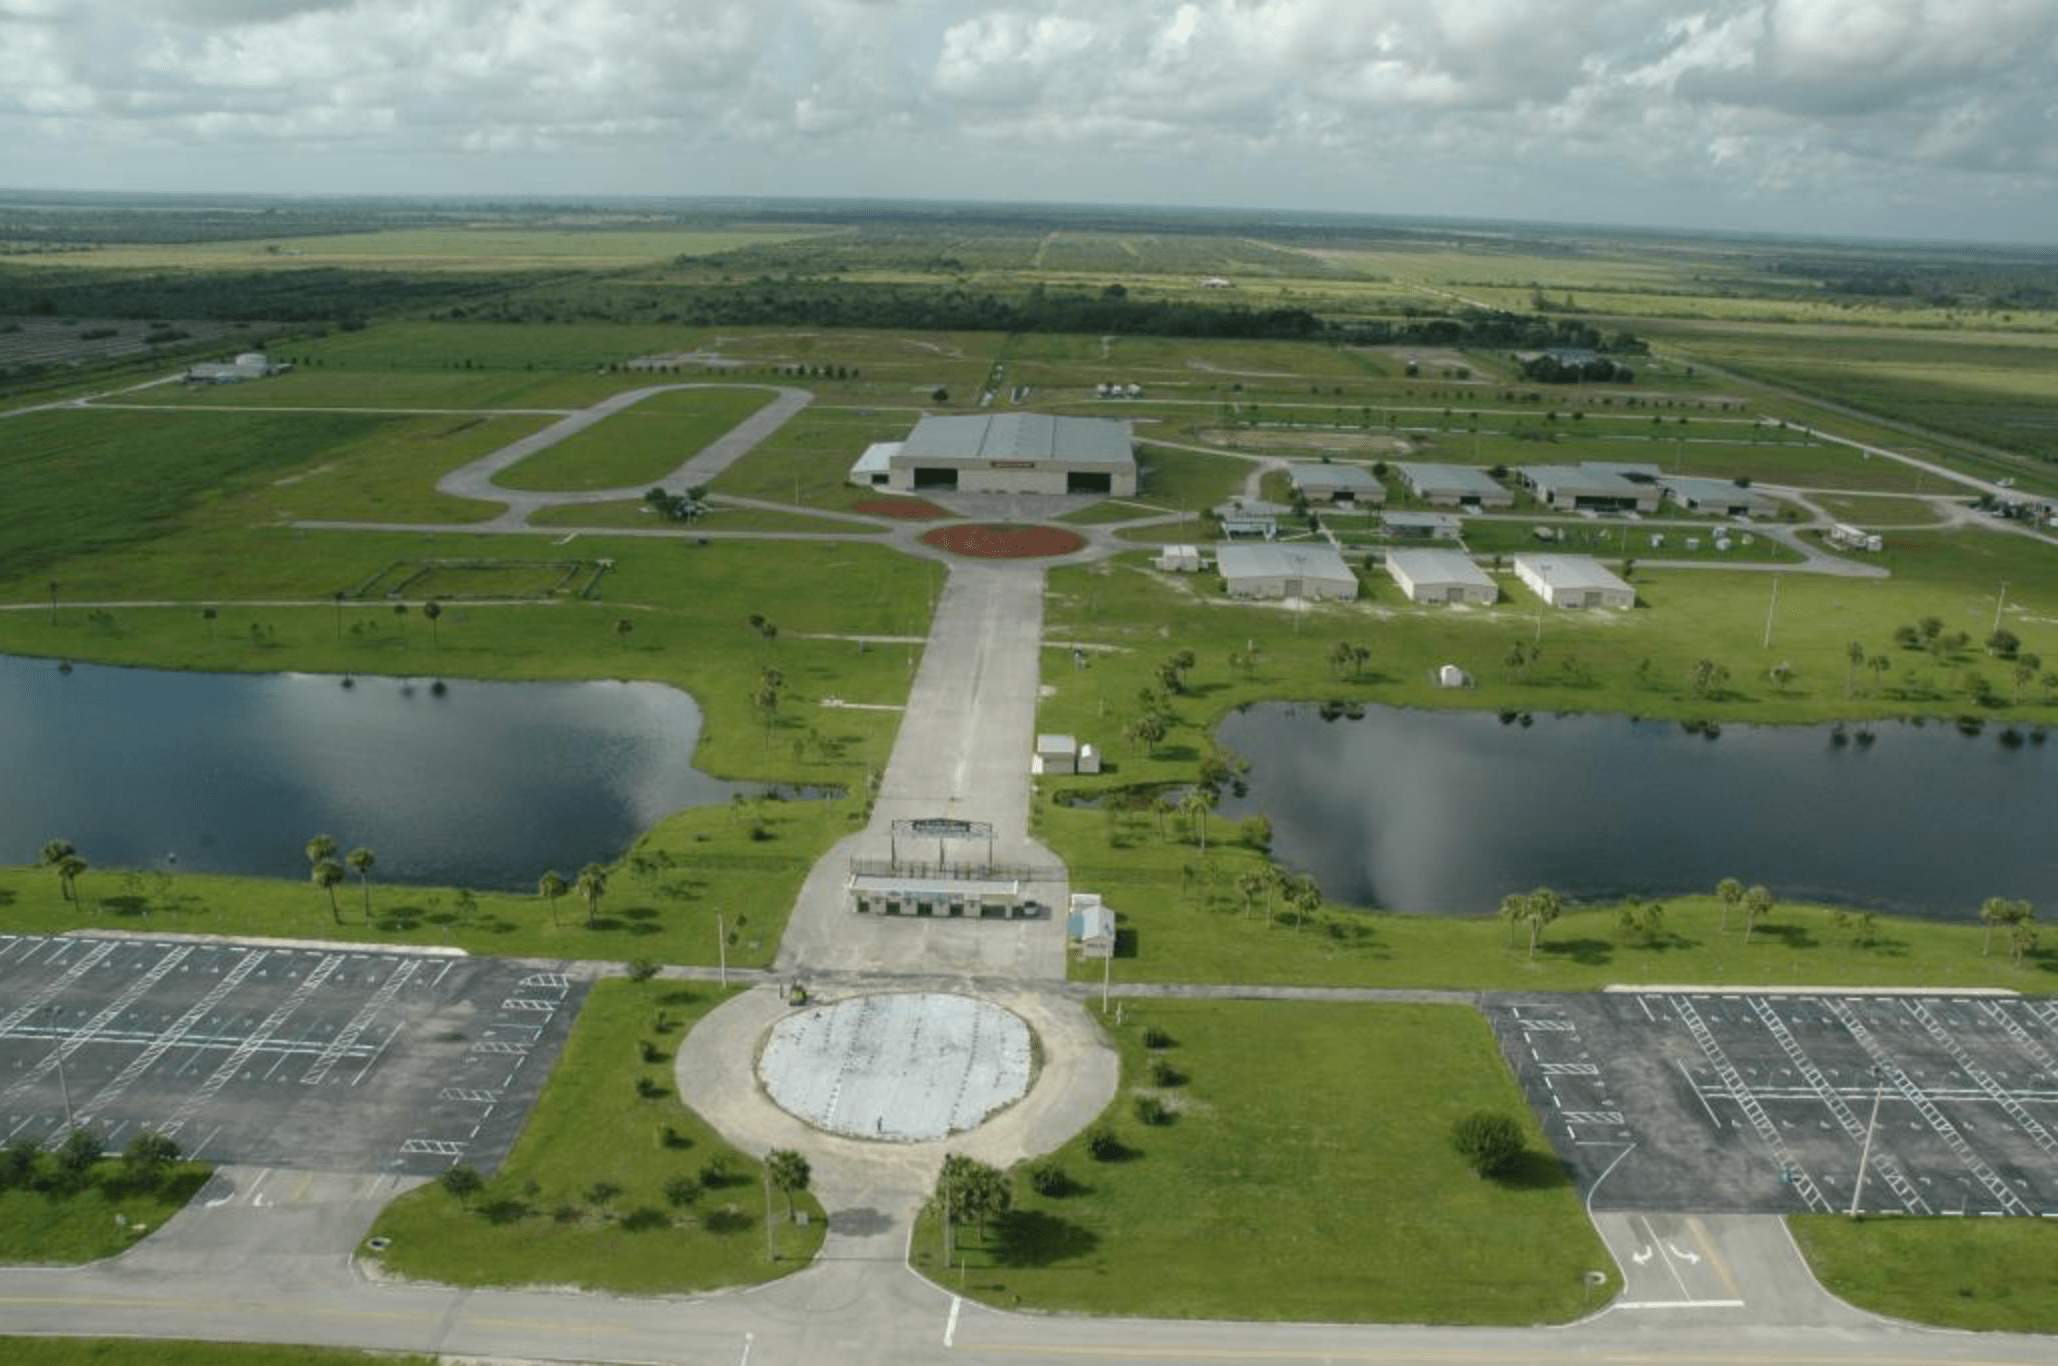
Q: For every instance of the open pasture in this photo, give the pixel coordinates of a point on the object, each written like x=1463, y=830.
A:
x=640, y=445
x=457, y=248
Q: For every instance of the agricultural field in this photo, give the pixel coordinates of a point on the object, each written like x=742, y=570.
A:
x=486, y=249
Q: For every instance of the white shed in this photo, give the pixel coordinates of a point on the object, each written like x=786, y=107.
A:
x=1440, y=576
x=1091, y=925
x=1180, y=559
x=1451, y=676
x=1055, y=754
x=1573, y=581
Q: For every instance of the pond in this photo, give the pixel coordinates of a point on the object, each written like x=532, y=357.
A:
x=1446, y=812
x=469, y=784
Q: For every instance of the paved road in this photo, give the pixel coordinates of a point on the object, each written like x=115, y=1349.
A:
x=476, y=479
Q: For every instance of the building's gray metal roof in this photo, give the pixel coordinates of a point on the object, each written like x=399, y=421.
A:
x=1451, y=479
x=1636, y=471
x=1438, y=566
x=1581, y=481
x=1688, y=488
x=1021, y=436
x=1423, y=521
x=1570, y=571
x=877, y=458
x=1274, y=560
x=1308, y=472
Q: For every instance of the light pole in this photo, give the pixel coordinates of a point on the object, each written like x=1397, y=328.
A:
x=722, y=947
x=63, y=1086
x=2000, y=603
x=1865, y=1152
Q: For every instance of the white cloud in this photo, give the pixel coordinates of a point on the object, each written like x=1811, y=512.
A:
x=1783, y=108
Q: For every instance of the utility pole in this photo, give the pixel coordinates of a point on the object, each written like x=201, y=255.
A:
x=1865, y=1153
x=770, y=1255
x=2000, y=603
x=1769, y=610
x=1107, y=971
x=722, y=947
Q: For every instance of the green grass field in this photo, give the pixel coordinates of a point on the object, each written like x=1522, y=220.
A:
x=587, y=1196
x=457, y=248
x=158, y=1352
x=638, y=446
x=43, y=1222
x=1305, y=1176
x=1986, y=1275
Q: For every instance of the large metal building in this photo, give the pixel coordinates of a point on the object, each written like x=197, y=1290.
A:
x=1284, y=571
x=1015, y=453
x=1441, y=576
x=1573, y=581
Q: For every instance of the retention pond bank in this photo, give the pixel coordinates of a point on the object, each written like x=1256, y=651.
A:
x=1424, y=811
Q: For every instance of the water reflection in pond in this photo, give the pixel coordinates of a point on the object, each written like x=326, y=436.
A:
x=1449, y=811
x=475, y=784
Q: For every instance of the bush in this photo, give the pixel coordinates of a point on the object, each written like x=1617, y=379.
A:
x=1163, y=1073
x=645, y=1217
x=714, y=1173
x=643, y=969
x=462, y=1182
x=1154, y=1037
x=681, y=1191
x=1102, y=1144
x=1047, y=1178
x=1152, y=1111
x=1488, y=1140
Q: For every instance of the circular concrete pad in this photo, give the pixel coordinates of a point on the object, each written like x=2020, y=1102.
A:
x=900, y=1067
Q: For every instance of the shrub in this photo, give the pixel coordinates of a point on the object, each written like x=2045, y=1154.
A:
x=645, y=1217
x=1488, y=1140
x=1163, y=1073
x=1047, y=1178
x=1152, y=1111
x=1102, y=1144
x=681, y=1191
x=714, y=1173
x=642, y=969
x=1154, y=1037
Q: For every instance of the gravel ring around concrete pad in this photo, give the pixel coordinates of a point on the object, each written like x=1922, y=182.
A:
x=988, y=542
x=716, y=1068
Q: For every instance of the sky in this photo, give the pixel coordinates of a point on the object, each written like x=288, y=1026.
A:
x=1875, y=118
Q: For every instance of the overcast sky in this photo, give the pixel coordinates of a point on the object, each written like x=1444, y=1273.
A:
x=1890, y=118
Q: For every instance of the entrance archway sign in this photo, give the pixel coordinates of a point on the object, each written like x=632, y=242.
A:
x=942, y=829
x=897, y=1067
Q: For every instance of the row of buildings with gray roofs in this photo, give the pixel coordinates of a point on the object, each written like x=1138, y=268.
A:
x=1593, y=485
x=1311, y=572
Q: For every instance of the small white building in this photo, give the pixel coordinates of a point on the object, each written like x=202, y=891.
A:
x=1573, y=581
x=874, y=469
x=1846, y=537
x=1451, y=676
x=1319, y=482
x=1277, y=570
x=1441, y=576
x=1179, y=559
x=248, y=365
x=1091, y=926
x=1055, y=754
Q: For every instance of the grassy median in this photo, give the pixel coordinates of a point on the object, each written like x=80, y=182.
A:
x=614, y=1184
x=1995, y=1275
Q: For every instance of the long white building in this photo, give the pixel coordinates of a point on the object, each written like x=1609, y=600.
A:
x=1441, y=576
x=1573, y=581
x=1015, y=453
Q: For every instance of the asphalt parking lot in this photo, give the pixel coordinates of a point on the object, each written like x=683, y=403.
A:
x=1744, y=1103
x=322, y=1058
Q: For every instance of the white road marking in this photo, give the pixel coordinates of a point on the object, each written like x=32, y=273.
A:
x=1691, y=1258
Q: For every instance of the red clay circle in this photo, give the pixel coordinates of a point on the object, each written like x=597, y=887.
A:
x=1004, y=542
x=906, y=509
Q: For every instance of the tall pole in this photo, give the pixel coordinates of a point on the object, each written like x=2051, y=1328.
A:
x=1865, y=1153
x=1107, y=971
x=1771, y=608
x=770, y=1254
x=63, y=1086
x=722, y=947
x=1999, y=603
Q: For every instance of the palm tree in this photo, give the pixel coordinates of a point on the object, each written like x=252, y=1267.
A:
x=321, y=847
x=325, y=875
x=623, y=626
x=433, y=610
x=55, y=852
x=550, y=887
x=1757, y=904
x=592, y=885
x=361, y=860
x=1195, y=806
x=69, y=869
x=1999, y=912
x=1249, y=882
x=1731, y=894
x=789, y=1172
x=208, y=614
x=1855, y=654
x=1539, y=909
